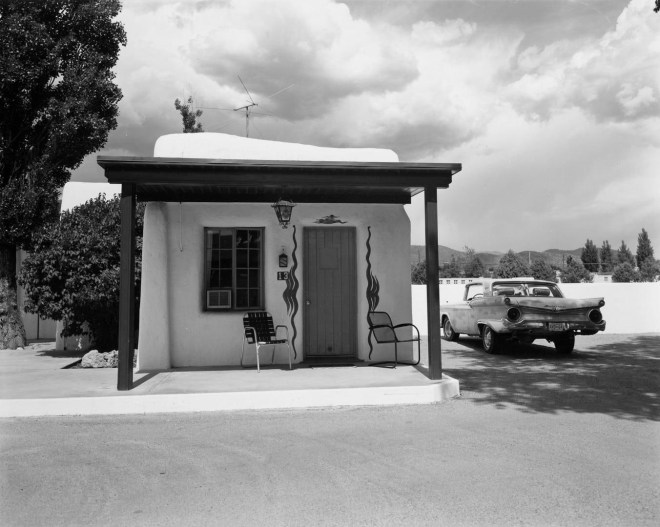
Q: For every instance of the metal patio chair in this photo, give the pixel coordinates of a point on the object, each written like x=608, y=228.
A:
x=381, y=327
x=259, y=329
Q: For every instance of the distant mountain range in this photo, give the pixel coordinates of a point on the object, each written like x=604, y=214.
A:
x=492, y=259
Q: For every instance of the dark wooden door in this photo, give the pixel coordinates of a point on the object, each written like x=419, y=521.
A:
x=329, y=292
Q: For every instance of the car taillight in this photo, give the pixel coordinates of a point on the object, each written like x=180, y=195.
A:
x=595, y=316
x=513, y=314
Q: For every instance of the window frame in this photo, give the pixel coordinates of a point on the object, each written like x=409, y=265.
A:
x=207, y=255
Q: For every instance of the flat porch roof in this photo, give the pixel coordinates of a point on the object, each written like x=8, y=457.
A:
x=240, y=180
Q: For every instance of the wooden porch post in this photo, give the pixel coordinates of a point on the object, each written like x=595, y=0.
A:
x=432, y=287
x=127, y=288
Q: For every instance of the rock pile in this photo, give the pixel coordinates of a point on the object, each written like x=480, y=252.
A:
x=96, y=359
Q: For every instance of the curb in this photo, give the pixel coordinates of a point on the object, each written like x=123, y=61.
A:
x=128, y=404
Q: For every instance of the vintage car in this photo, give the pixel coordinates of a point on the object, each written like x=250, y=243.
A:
x=521, y=310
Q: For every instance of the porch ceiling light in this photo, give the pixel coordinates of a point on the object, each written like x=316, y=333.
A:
x=283, y=210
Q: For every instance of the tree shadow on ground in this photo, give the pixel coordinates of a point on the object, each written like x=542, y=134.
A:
x=619, y=378
x=61, y=354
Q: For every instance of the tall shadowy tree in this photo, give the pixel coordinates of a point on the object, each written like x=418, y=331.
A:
x=625, y=272
x=644, y=248
x=542, y=270
x=189, y=116
x=451, y=269
x=418, y=273
x=511, y=266
x=575, y=272
x=649, y=271
x=624, y=255
x=589, y=256
x=58, y=102
x=473, y=267
x=606, y=258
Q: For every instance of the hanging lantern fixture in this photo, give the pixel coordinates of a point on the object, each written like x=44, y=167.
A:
x=283, y=210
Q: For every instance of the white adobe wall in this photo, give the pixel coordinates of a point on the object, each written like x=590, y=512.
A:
x=629, y=308
x=175, y=331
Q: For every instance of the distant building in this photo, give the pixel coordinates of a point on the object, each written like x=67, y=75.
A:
x=454, y=281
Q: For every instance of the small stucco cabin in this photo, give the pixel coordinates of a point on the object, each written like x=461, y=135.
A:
x=214, y=249
x=206, y=264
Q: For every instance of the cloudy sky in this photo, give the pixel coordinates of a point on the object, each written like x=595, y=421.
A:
x=552, y=106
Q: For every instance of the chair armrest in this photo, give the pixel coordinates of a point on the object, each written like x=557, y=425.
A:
x=405, y=326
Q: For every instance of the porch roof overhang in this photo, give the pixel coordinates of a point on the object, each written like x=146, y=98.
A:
x=241, y=180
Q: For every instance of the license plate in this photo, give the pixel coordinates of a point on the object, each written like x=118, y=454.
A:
x=555, y=326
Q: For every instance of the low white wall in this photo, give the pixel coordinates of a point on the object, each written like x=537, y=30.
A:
x=629, y=308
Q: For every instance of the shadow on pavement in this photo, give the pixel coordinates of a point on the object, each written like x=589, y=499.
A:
x=617, y=378
x=61, y=354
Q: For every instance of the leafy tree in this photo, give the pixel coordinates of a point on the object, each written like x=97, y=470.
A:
x=450, y=269
x=624, y=255
x=189, y=116
x=649, y=270
x=58, y=103
x=511, y=266
x=590, y=256
x=418, y=273
x=541, y=270
x=644, y=248
x=657, y=6
x=73, y=273
x=625, y=272
x=575, y=272
x=606, y=258
x=473, y=267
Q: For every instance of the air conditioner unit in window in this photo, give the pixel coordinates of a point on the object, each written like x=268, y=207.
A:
x=218, y=299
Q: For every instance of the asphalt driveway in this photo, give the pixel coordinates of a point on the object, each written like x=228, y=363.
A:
x=617, y=375
x=536, y=439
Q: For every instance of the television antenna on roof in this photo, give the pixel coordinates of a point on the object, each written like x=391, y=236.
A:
x=248, y=108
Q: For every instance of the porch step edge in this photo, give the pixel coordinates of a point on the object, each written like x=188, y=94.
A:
x=128, y=404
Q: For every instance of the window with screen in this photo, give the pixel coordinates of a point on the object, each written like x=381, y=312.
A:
x=233, y=268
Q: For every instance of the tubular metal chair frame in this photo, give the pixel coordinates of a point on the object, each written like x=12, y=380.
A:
x=258, y=329
x=392, y=338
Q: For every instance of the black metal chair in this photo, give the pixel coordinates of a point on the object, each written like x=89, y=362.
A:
x=259, y=329
x=381, y=327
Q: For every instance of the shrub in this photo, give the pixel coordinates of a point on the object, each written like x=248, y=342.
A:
x=72, y=273
x=625, y=272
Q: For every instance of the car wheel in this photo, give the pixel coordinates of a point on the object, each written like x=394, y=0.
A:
x=448, y=330
x=565, y=343
x=491, y=341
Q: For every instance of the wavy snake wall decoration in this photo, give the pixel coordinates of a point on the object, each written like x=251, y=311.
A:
x=373, y=287
x=290, y=294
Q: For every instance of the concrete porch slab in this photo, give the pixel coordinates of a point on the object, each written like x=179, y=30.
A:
x=34, y=383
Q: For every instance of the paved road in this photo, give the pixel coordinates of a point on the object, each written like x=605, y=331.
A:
x=535, y=439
